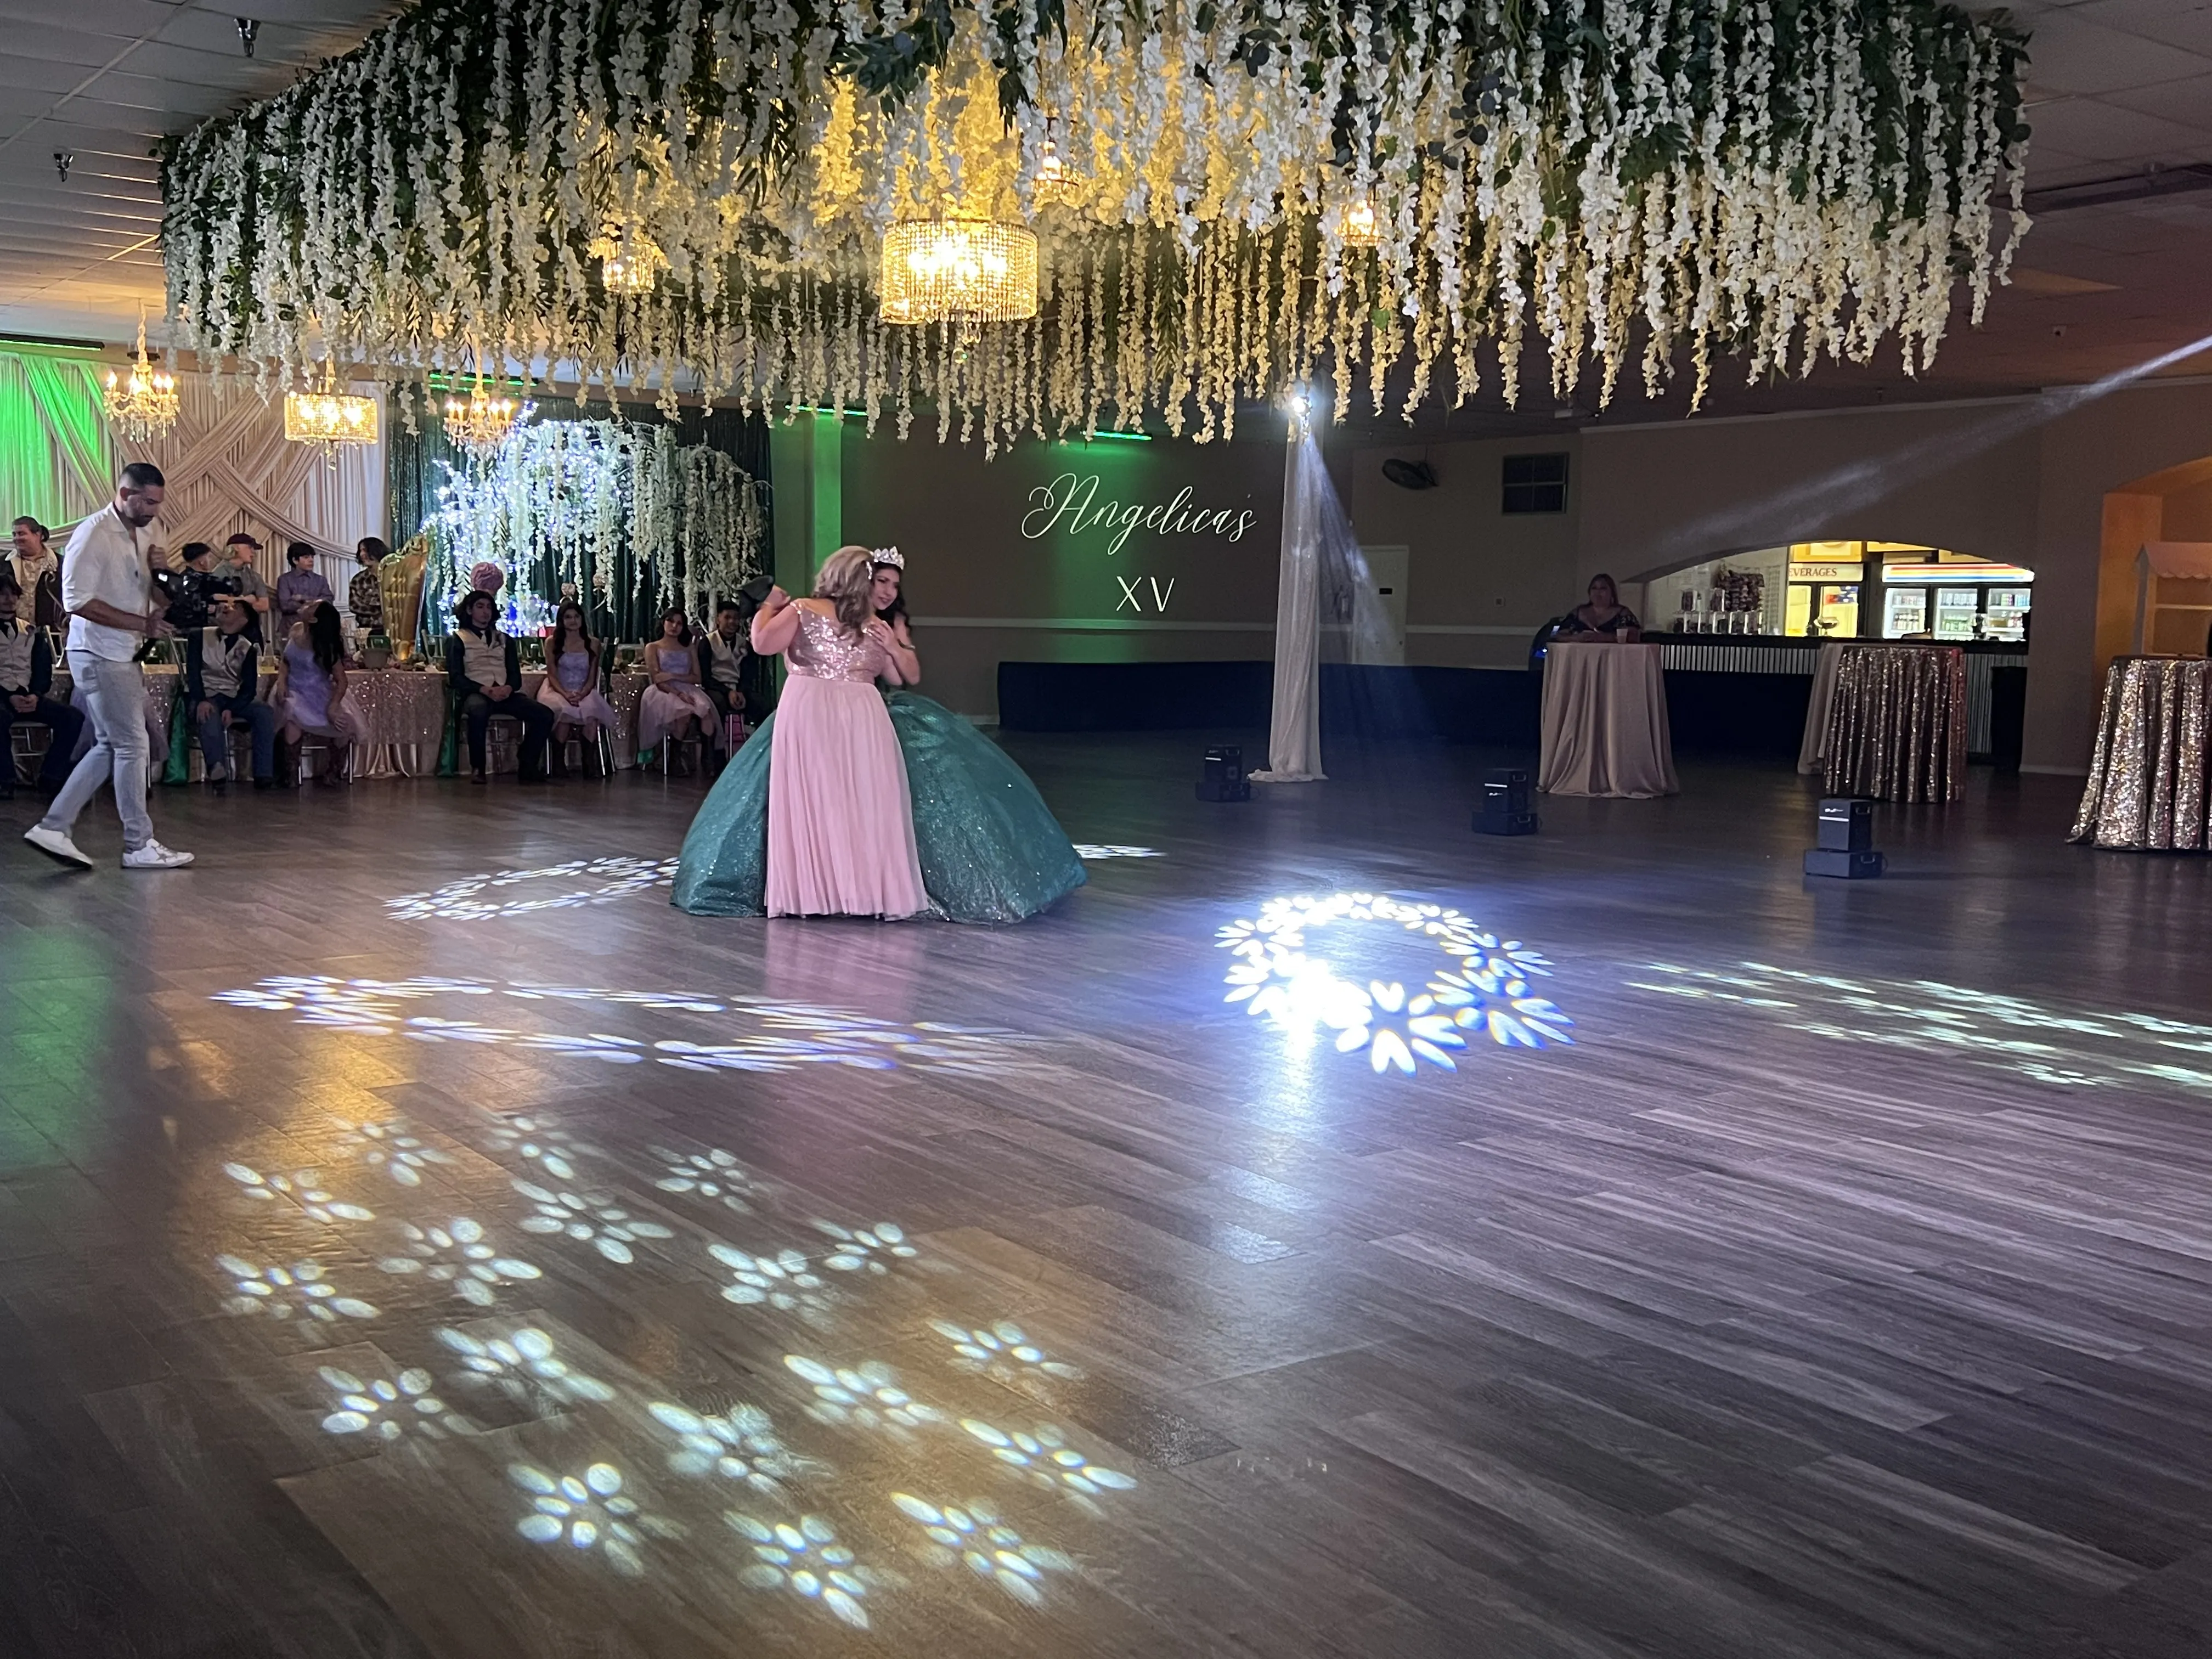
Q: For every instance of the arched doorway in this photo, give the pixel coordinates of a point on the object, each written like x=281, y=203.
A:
x=2174, y=505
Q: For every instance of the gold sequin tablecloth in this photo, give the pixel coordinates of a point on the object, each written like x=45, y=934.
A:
x=404, y=713
x=1897, y=723
x=401, y=713
x=2147, y=790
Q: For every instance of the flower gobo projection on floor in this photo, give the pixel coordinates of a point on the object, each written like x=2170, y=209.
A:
x=769, y=1036
x=602, y=881
x=1482, y=985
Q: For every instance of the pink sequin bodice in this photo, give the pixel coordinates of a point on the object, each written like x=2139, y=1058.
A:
x=822, y=650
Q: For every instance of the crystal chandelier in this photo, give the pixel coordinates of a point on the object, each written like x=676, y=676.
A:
x=969, y=271
x=628, y=259
x=144, y=407
x=329, y=418
x=480, y=422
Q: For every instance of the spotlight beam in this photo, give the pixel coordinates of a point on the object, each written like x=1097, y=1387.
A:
x=1861, y=482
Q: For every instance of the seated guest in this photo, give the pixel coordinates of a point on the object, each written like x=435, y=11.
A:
x=722, y=650
x=484, y=670
x=363, y=596
x=26, y=674
x=242, y=549
x=571, y=689
x=1603, y=615
x=301, y=588
x=38, y=572
x=674, y=705
x=222, y=671
x=309, y=695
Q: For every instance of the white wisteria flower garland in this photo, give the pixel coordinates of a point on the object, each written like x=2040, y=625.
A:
x=1237, y=192
x=575, y=495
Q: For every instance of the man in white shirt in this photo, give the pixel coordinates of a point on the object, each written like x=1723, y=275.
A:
x=107, y=589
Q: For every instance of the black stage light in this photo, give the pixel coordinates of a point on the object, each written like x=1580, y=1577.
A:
x=1507, y=809
x=1846, y=848
x=1225, y=775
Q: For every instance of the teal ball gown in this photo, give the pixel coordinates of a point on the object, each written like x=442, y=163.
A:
x=991, y=849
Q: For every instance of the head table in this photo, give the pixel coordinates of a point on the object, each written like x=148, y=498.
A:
x=1605, y=729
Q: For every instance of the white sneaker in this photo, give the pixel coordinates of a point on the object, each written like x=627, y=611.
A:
x=56, y=844
x=153, y=856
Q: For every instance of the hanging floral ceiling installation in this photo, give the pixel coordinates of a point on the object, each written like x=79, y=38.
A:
x=1229, y=196
x=565, y=501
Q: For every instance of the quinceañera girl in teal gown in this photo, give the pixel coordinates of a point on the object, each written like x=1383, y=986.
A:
x=990, y=848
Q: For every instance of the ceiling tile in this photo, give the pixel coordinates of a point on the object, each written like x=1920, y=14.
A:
x=2188, y=103
x=2068, y=54
x=2099, y=131
x=2185, y=23
x=62, y=43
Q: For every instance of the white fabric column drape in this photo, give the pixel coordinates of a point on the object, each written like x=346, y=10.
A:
x=1294, y=718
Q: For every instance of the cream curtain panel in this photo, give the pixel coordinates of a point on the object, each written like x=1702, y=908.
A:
x=228, y=464
x=229, y=468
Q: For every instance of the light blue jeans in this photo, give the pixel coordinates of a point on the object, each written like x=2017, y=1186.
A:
x=114, y=697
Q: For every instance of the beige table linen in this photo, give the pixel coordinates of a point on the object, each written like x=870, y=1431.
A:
x=1605, y=722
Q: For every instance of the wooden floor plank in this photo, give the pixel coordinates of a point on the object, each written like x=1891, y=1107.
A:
x=1841, y=1292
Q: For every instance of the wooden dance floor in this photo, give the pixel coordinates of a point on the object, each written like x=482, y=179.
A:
x=400, y=1258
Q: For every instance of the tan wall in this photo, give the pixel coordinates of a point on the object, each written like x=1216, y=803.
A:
x=994, y=575
x=2019, y=479
x=1481, y=581
x=1656, y=497
x=2087, y=451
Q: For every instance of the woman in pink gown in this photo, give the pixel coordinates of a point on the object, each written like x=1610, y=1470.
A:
x=840, y=817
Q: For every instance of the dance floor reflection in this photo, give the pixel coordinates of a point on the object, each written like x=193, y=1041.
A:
x=1337, y=1237
x=836, y=1487
x=2071, y=1048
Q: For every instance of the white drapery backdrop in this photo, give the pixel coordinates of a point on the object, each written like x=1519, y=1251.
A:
x=229, y=468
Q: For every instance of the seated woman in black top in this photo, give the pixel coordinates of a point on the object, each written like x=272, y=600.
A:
x=485, y=672
x=1605, y=615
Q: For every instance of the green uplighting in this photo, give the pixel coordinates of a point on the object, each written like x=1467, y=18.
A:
x=1107, y=438
x=57, y=458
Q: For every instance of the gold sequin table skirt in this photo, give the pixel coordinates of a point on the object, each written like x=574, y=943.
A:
x=401, y=713
x=404, y=712
x=1896, y=724
x=2147, y=790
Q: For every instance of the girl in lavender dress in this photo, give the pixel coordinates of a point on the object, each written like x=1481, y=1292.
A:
x=674, y=704
x=571, y=689
x=839, y=825
x=310, y=693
